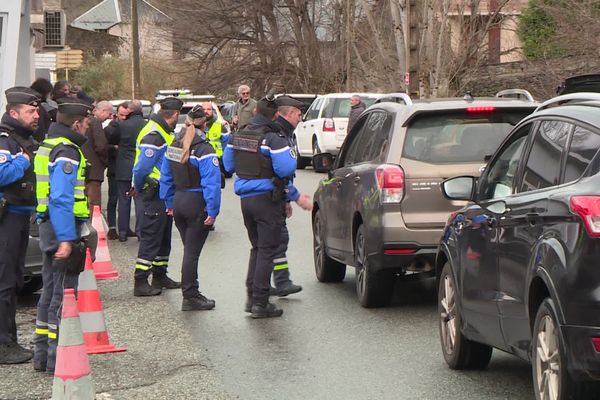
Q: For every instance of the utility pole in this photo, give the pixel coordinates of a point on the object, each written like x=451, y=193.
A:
x=414, y=8
x=135, y=52
x=349, y=21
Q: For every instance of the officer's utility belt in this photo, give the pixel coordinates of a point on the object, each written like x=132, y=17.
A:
x=250, y=163
x=186, y=176
x=150, y=190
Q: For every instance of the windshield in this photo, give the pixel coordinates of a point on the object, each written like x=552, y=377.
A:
x=458, y=137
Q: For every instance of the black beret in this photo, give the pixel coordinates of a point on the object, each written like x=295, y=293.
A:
x=287, y=101
x=74, y=106
x=196, y=112
x=171, y=103
x=267, y=107
x=23, y=95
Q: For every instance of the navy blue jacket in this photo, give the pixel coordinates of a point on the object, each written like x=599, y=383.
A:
x=275, y=146
x=202, y=157
x=152, y=153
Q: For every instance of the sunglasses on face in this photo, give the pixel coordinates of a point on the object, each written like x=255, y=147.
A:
x=245, y=92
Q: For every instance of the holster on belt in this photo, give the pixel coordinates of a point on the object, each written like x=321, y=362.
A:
x=3, y=205
x=75, y=263
x=151, y=189
x=278, y=194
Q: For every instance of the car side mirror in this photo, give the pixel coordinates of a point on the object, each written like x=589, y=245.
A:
x=459, y=188
x=322, y=162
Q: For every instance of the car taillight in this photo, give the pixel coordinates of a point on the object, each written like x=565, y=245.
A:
x=596, y=343
x=390, y=180
x=588, y=208
x=328, y=125
x=481, y=109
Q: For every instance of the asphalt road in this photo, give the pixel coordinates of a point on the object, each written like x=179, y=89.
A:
x=326, y=346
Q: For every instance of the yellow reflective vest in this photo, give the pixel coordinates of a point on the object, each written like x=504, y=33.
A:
x=151, y=126
x=214, y=137
x=42, y=186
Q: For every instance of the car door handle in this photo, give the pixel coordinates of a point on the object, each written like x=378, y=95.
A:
x=532, y=218
x=356, y=180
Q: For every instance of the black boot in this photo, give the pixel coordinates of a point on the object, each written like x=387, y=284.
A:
x=39, y=366
x=248, y=306
x=290, y=288
x=162, y=281
x=131, y=233
x=112, y=234
x=142, y=288
x=13, y=353
x=197, y=303
x=267, y=310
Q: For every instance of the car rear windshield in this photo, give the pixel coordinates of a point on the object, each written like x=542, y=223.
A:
x=340, y=108
x=458, y=137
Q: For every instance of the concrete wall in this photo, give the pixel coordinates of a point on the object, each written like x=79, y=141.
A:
x=16, y=48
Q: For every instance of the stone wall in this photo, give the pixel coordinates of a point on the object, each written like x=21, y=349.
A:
x=541, y=78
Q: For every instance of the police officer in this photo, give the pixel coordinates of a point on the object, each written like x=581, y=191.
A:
x=17, y=202
x=155, y=232
x=290, y=115
x=261, y=157
x=62, y=209
x=190, y=185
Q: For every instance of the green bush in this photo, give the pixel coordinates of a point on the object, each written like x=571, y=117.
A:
x=537, y=30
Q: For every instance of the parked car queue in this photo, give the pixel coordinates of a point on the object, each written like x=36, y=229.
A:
x=513, y=250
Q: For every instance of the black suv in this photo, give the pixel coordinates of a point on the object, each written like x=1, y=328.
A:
x=517, y=267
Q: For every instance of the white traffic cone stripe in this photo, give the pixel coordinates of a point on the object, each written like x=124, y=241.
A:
x=87, y=280
x=92, y=321
x=70, y=332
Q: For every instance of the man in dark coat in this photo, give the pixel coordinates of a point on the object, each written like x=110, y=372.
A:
x=95, y=150
x=356, y=108
x=125, y=136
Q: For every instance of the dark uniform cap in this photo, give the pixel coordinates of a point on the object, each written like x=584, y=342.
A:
x=23, y=95
x=73, y=106
x=196, y=112
x=171, y=103
x=267, y=107
x=287, y=101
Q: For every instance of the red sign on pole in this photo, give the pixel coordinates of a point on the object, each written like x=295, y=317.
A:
x=407, y=78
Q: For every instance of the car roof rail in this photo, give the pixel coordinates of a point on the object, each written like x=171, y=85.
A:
x=580, y=96
x=395, y=97
x=516, y=94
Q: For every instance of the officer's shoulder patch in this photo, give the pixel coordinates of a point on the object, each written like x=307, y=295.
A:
x=215, y=161
x=149, y=153
x=67, y=167
x=3, y=158
x=293, y=153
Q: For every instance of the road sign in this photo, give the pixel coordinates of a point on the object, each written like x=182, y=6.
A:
x=407, y=78
x=69, y=59
x=45, y=61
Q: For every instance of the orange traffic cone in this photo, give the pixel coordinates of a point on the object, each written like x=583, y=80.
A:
x=103, y=267
x=91, y=313
x=72, y=374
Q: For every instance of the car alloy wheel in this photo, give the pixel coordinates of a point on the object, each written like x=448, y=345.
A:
x=448, y=320
x=547, y=359
x=373, y=289
x=318, y=244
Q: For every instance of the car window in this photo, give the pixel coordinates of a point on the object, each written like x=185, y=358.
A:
x=371, y=140
x=340, y=108
x=458, y=136
x=542, y=168
x=584, y=146
x=500, y=178
x=351, y=148
x=313, y=111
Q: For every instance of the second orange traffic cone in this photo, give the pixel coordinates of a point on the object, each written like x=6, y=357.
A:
x=92, y=313
x=103, y=266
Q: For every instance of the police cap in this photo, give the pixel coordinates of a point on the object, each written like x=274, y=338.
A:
x=171, y=103
x=74, y=106
x=267, y=107
x=23, y=95
x=196, y=112
x=287, y=101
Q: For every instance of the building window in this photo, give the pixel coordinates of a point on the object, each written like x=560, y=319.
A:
x=55, y=32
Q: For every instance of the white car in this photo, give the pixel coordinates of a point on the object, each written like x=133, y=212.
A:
x=323, y=127
x=189, y=101
x=146, y=106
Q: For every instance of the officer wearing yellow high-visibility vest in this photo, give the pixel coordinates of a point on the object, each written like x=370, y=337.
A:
x=217, y=134
x=62, y=210
x=155, y=232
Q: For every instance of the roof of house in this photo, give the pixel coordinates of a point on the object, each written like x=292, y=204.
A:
x=109, y=13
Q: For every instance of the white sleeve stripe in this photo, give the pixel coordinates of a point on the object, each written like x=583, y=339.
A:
x=66, y=159
x=6, y=152
x=282, y=150
x=152, y=146
x=203, y=157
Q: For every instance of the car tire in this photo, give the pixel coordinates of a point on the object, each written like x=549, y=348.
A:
x=373, y=289
x=551, y=377
x=32, y=286
x=459, y=352
x=316, y=150
x=326, y=269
